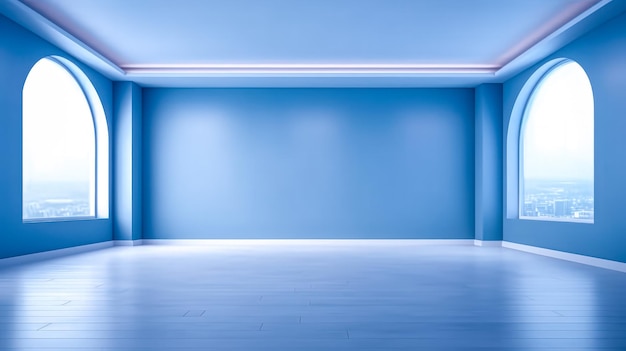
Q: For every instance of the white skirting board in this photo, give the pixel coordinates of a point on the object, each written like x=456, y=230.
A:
x=39, y=256
x=488, y=243
x=591, y=261
x=287, y=242
x=127, y=242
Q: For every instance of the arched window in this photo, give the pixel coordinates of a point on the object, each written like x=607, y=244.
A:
x=64, y=144
x=556, y=150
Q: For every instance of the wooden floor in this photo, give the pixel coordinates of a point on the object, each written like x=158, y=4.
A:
x=311, y=297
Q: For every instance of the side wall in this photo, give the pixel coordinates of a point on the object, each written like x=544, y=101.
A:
x=602, y=53
x=308, y=163
x=19, y=51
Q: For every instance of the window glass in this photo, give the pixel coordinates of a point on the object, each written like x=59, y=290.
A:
x=59, y=145
x=557, y=150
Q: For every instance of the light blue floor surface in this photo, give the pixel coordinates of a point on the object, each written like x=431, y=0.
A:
x=311, y=297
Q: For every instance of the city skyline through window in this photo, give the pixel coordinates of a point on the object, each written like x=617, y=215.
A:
x=557, y=147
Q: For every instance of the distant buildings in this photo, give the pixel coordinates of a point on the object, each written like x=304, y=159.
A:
x=53, y=208
x=558, y=199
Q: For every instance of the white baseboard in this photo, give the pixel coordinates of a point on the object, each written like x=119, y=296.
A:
x=128, y=242
x=488, y=243
x=286, y=242
x=591, y=261
x=39, y=256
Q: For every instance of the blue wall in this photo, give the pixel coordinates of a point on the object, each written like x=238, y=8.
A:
x=19, y=51
x=308, y=163
x=602, y=53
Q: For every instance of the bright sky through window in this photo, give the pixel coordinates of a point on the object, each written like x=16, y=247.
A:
x=58, y=145
x=558, y=146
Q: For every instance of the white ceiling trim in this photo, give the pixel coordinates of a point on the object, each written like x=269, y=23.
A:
x=555, y=38
x=38, y=24
x=556, y=26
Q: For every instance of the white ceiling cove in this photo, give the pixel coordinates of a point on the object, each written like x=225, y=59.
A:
x=310, y=43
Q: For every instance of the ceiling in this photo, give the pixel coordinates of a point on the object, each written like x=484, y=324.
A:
x=310, y=42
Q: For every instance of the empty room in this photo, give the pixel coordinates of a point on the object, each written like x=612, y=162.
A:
x=312, y=175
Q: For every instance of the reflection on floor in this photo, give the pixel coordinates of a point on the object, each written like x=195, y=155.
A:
x=311, y=297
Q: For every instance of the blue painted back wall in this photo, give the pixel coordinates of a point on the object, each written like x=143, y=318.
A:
x=19, y=51
x=602, y=53
x=308, y=163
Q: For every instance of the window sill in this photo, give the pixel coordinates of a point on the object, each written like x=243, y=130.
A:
x=556, y=219
x=61, y=219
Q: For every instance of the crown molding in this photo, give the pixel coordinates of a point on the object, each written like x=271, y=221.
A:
x=595, y=15
x=48, y=30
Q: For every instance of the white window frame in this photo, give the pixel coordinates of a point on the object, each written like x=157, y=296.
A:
x=514, y=155
x=101, y=131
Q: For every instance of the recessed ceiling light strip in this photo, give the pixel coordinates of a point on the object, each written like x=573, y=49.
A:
x=288, y=69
